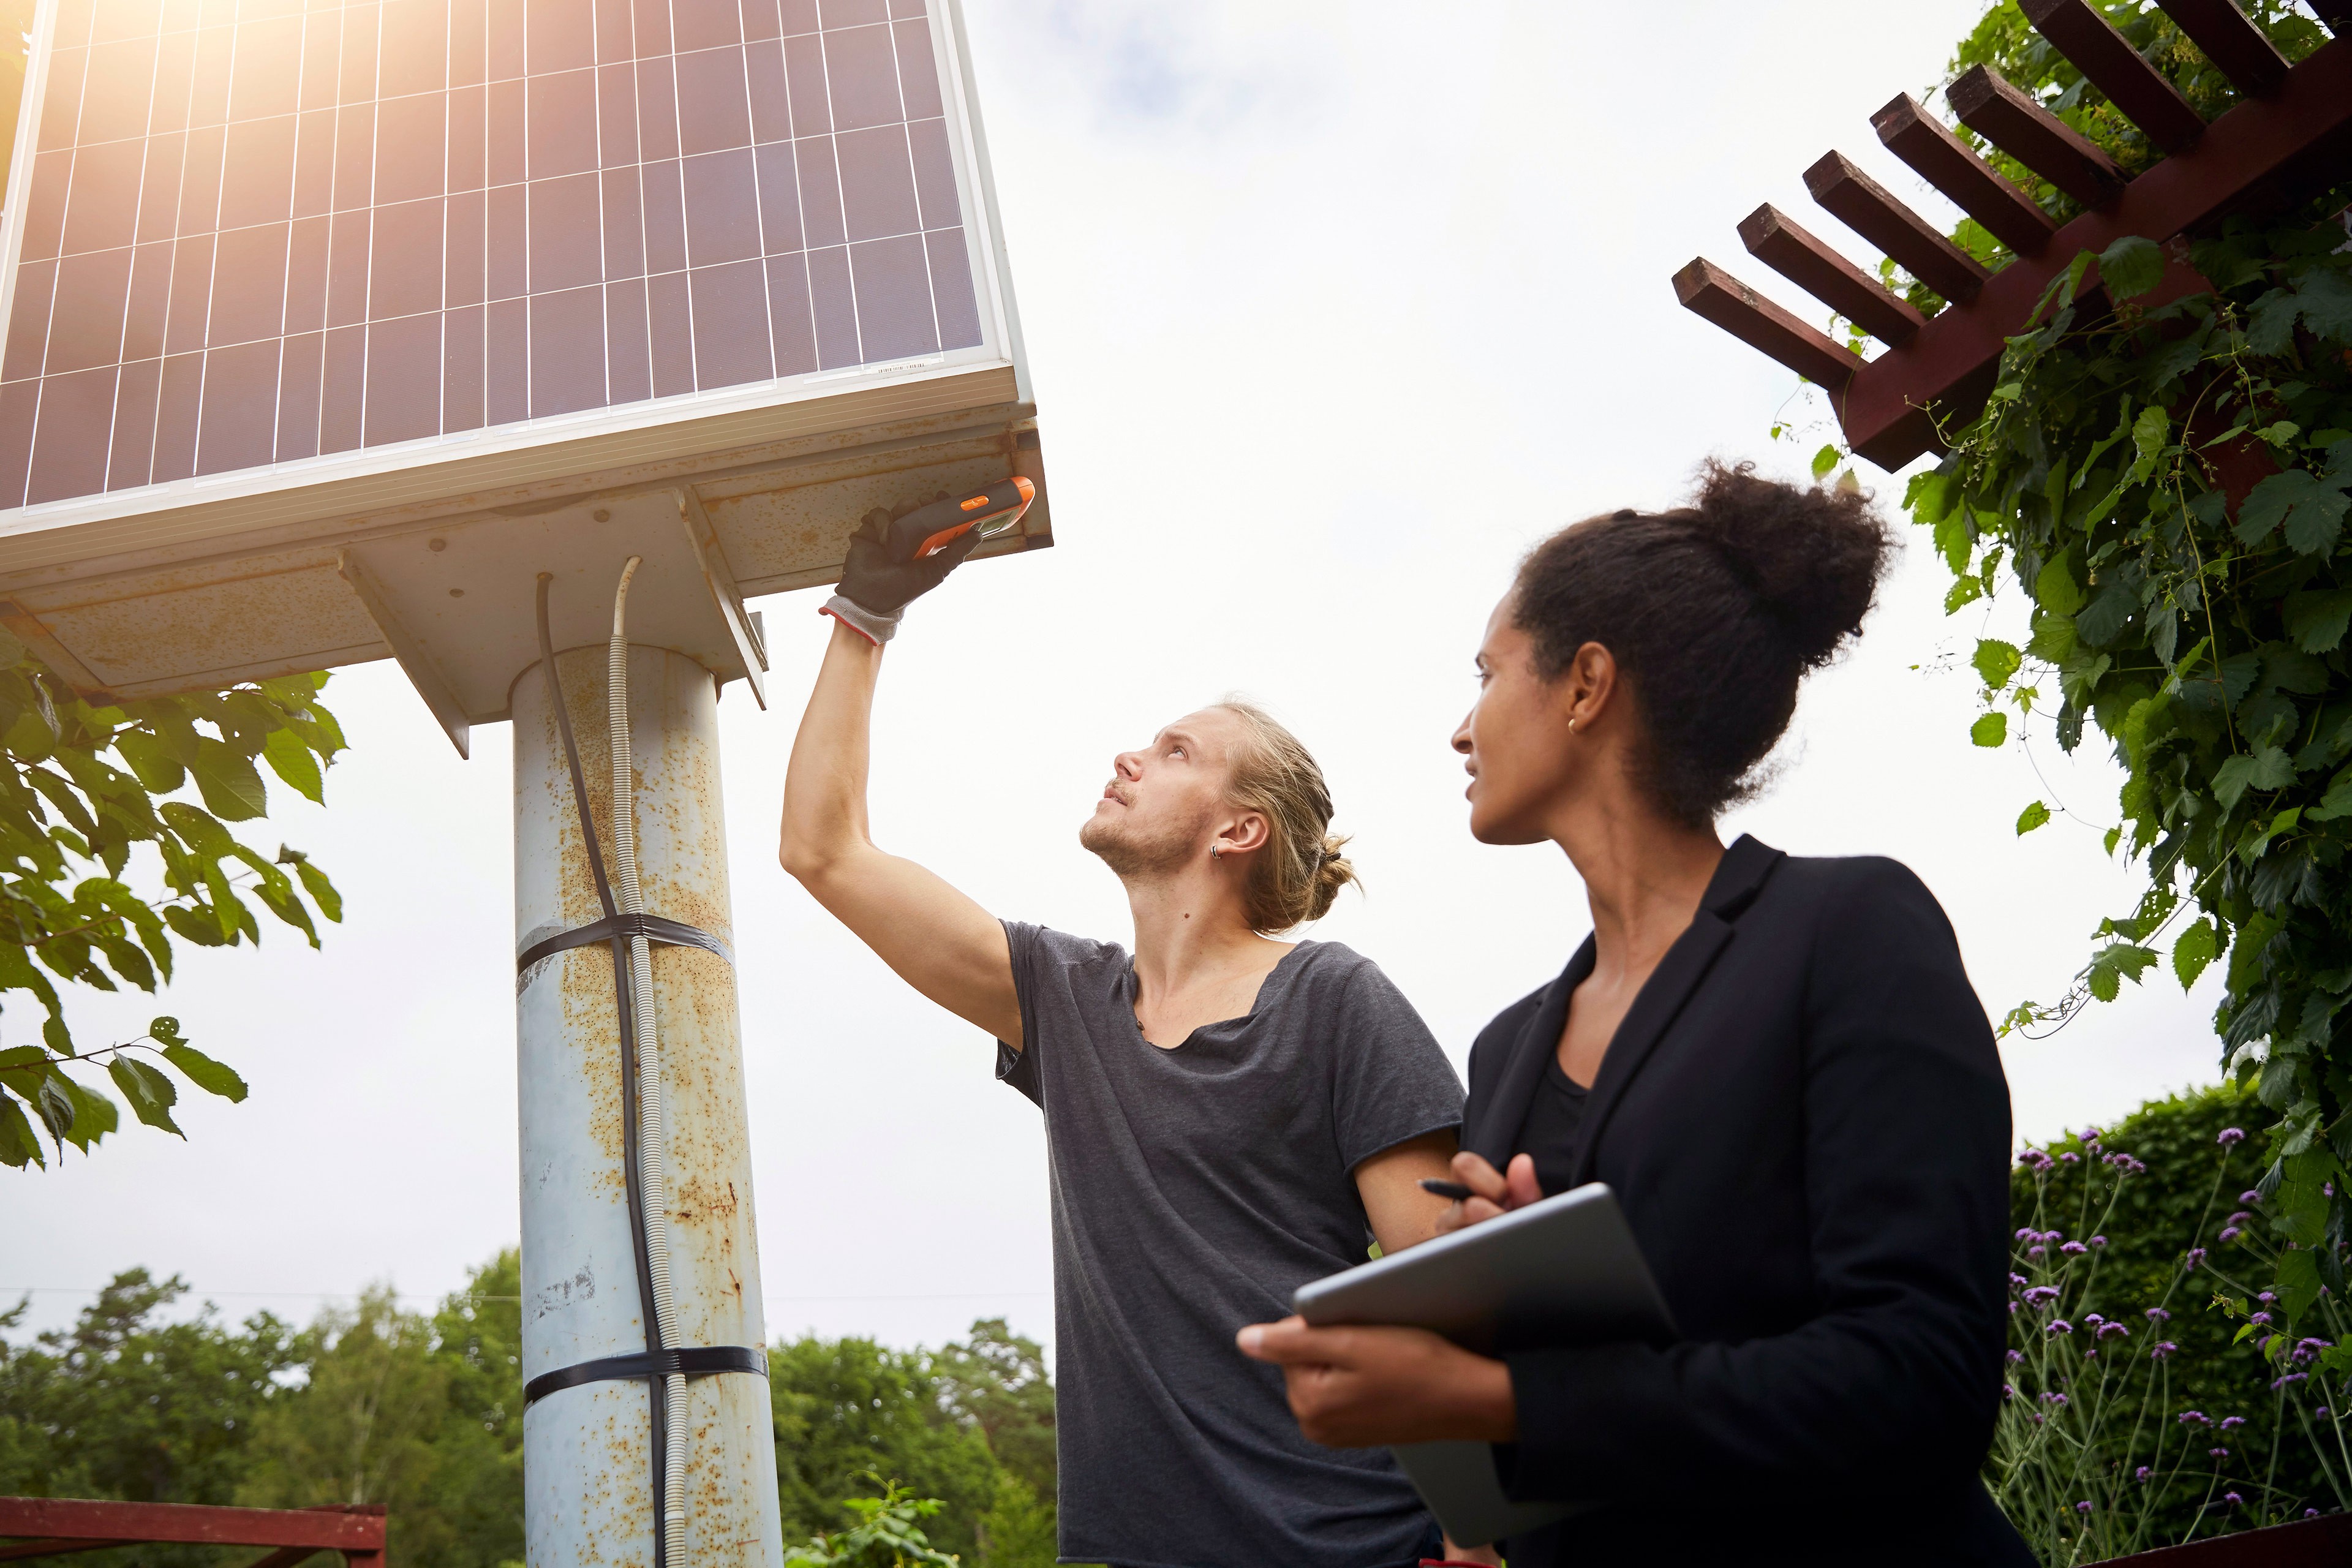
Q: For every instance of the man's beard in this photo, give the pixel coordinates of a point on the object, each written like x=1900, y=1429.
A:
x=1133, y=856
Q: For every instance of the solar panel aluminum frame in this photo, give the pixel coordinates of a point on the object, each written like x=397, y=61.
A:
x=772, y=473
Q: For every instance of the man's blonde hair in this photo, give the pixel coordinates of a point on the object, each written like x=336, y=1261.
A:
x=1300, y=870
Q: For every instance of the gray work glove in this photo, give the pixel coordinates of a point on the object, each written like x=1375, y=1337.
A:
x=876, y=588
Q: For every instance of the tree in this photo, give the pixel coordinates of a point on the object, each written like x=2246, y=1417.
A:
x=995, y=1380
x=126, y=1405
x=2166, y=483
x=67, y=815
x=847, y=1408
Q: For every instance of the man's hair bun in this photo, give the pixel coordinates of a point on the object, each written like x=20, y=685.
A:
x=1714, y=612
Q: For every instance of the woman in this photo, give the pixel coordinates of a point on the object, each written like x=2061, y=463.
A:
x=1776, y=1063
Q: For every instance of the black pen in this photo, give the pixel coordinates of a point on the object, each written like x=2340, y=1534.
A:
x=1445, y=1189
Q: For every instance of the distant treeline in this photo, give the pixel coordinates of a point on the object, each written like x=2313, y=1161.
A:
x=422, y=1413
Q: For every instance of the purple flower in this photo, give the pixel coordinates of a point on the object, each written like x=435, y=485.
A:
x=2019, y=1280
x=2082, y=1508
x=2057, y=1399
x=2058, y=1326
x=2250, y=1196
x=2277, y=1383
x=2073, y=1249
x=2311, y=1514
x=2012, y=1306
x=2029, y=1234
x=2158, y=1315
x=2009, y=1391
x=2241, y=1217
x=2234, y=1499
x=2071, y=1157
x=2036, y=1250
x=2229, y=1420
x=2265, y=1298
x=2014, y=1356
x=2306, y=1350
x=2219, y=1453
x=2113, y=1332
x=2093, y=1318
x=2229, y=1234
x=2230, y=1135
x=2141, y=1474
x=2042, y=1295
x=2195, y=1419
x=2162, y=1349
x=2263, y=1318
x=2321, y=1412
x=2098, y=1241
x=2090, y=1134
x=2196, y=1256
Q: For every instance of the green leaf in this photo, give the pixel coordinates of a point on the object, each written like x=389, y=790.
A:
x=1825, y=461
x=2054, y=637
x=1996, y=661
x=151, y=1095
x=2298, y=1281
x=151, y=760
x=94, y=1115
x=2055, y=589
x=228, y=782
x=292, y=761
x=1991, y=730
x=2316, y=619
x=2151, y=432
x=2253, y=850
x=2265, y=768
x=2131, y=266
x=164, y=1030
x=206, y=1074
x=1964, y=591
x=2311, y=511
x=19, y=1145
x=2032, y=817
x=2198, y=946
x=323, y=892
x=2337, y=801
x=2116, y=962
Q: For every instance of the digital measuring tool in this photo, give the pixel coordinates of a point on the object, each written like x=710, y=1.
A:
x=930, y=529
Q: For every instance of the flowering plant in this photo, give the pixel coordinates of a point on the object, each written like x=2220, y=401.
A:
x=2109, y=1439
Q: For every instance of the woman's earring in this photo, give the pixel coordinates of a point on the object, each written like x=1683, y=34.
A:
x=1213, y=850
x=1572, y=725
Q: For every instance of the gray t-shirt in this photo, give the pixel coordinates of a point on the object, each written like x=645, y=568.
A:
x=1193, y=1189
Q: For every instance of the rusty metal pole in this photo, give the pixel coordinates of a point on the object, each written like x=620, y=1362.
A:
x=589, y=1489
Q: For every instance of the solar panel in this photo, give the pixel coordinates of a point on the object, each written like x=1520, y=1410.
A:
x=267, y=235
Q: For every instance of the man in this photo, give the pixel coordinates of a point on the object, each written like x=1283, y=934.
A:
x=1226, y=1115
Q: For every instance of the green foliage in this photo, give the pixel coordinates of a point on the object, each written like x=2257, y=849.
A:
x=2165, y=481
x=369, y=1406
x=996, y=1381
x=69, y=822
x=2143, y=1408
x=885, y=1536
x=1019, y=1529
x=849, y=1406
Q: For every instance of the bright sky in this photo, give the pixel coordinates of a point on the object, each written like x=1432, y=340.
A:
x=1332, y=310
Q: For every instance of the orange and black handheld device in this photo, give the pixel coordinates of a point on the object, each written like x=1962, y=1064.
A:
x=929, y=529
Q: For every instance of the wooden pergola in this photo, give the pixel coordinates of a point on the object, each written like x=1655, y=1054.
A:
x=2288, y=137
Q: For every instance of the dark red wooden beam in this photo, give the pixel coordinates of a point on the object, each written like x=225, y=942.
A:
x=1859, y=202
x=2264, y=151
x=2233, y=43
x=1803, y=260
x=1945, y=161
x=2034, y=137
x=1707, y=289
x=65, y=1524
x=2144, y=95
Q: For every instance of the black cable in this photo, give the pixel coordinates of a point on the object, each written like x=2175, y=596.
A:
x=624, y=992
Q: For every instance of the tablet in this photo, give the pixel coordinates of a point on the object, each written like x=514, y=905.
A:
x=1562, y=1271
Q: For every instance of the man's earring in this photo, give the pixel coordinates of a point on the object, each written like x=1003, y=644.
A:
x=1214, y=849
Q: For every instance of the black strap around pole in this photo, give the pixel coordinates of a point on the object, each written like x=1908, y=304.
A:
x=653, y=928
x=699, y=1361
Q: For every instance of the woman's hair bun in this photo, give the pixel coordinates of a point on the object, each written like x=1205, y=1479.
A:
x=1714, y=611
x=1811, y=555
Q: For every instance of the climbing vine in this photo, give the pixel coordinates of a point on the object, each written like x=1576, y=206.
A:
x=2163, y=471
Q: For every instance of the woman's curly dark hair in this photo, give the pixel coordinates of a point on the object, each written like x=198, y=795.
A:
x=1714, y=612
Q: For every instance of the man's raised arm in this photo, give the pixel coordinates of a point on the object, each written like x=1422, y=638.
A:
x=939, y=941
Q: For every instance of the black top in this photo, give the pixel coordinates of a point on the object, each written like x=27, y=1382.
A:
x=1193, y=1190
x=1555, y=1111
x=1804, y=1118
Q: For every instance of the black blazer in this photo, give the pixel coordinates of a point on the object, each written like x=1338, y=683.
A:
x=1805, y=1118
